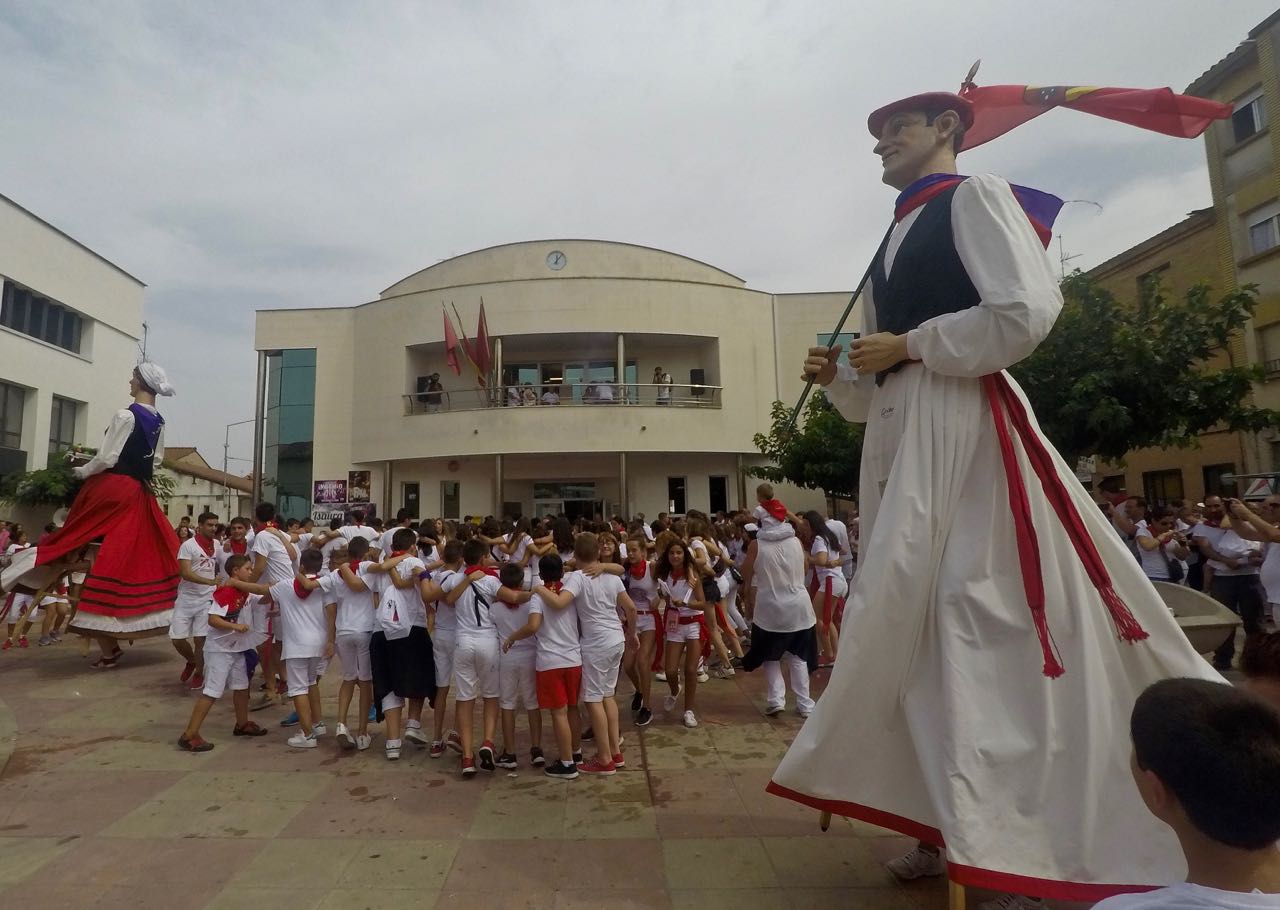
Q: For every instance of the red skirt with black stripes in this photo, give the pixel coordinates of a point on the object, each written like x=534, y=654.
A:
x=130, y=590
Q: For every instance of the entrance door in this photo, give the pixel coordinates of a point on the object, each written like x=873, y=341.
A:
x=547, y=507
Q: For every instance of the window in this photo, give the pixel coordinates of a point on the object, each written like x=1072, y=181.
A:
x=1263, y=235
x=12, y=400
x=675, y=495
x=1214, y=485
x=1162, y=487
x=1269, y=345
x=25, y=311
x=1155, y=275
x=719, y=494
x=62, y=425
x=409, y=498
x=1250, y=117
x=844, y=339
x=450, y=499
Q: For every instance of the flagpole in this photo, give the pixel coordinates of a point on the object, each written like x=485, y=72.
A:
x=808, y=385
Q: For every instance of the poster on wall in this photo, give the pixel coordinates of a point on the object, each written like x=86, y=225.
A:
x=358, y=484
x=329, y=492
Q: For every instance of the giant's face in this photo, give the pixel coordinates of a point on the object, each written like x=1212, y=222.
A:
x=906, y=145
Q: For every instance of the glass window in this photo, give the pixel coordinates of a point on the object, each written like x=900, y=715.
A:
x=1162, y=487
x=1249, y=118
x=12, y=400
x=844, y=339
x=1263, y=236
x=675, y=495
x=409, y=498
x=719, y=494
x=62, y=424
x=29, y=313
x=450, y=499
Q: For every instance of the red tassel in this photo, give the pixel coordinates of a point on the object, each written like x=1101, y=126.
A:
x=1127, y=624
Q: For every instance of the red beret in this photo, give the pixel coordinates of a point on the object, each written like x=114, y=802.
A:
x=929, y=101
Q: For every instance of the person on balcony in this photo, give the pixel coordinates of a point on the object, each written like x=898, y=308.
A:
x=662, y=379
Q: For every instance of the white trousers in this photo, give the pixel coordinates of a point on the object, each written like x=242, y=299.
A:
x=776, y=690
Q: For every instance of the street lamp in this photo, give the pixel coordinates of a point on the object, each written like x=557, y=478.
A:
x=226, y=450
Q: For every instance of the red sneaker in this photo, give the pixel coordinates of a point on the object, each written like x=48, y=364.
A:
x=187, y=671
x=8, y=643
x=22, y=642
x=619, y=762
x=197, y=683
x=596, y=767
x=468, y=767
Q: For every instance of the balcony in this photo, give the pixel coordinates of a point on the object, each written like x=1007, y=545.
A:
x=571, y=395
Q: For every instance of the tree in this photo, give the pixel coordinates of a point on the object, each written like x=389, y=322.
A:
x=1112, y=377
x=822, y=452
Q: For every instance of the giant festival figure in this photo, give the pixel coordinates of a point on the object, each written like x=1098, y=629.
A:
x=999, y=631
x=131, y=585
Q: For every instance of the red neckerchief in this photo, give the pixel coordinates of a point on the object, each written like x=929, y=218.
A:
x=354, y=565
x=1040, y=208
x=233, y=599
x=775, y=509
x=555, y=586
x=487, y=570
x=207, y=548
x=238, y=547
x=300, y=590
x=639, y=569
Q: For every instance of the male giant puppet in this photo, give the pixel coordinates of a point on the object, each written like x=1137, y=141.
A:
x=1000, y=632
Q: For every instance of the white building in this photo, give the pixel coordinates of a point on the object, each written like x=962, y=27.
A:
x=587, y=319
x=199, y=487
x=70, y=322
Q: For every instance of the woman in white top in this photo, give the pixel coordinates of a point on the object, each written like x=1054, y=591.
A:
x=1161, y=547
x=706, y=552
x=642, y=586
x=680, y=588
x=830, y=585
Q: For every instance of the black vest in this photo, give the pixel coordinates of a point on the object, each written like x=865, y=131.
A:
x=928, y=278
x=136, y=457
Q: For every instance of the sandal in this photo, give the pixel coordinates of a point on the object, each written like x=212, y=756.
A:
x=194, y=744
x=106, y=663
x=249, y=729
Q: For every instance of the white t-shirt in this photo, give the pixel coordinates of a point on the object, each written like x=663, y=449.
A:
x=408, y=600
x=327, y=548
x=1190, y=897
x=782, y=603
x=510, y=619
x=355, y=608
x=842, y=535
x=253, y=613
x=1155, y=563
x=557, y=638
x=1229, y=544
x=279, y=566
x=597, y=602
x=446, y=614
x=302, y=618
x=205, y=565
x=550, y=398
x=368, y=532
x=385, y=543
x=474, y=608
x=819, y=547
x=223, y=554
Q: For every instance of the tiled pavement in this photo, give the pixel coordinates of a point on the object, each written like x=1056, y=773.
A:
x=98, y=808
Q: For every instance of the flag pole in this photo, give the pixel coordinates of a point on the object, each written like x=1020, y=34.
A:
x=808, y=385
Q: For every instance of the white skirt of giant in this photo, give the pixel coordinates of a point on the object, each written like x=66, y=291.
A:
x=938, y=720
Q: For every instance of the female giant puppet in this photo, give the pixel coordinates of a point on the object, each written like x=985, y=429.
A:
x=999, y=631
x=131, y=585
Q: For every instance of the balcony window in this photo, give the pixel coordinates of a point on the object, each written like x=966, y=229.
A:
x=30, y=313
x=1249, y=118
x=1264, y=234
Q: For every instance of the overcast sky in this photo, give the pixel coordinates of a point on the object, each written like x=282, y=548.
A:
x=241, y=155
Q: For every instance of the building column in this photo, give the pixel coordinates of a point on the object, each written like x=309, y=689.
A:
x=742, y=481
x=622, y=367
x=624, y=506
x=497, y=394
x=498, y=483
x=259, y=425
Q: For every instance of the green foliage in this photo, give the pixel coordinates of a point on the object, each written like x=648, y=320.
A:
x=56, y=485
x=1112, y=377
x=822, y=452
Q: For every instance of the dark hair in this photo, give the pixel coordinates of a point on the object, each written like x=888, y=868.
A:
x=403, y=539
x=512, y=576
x=357, y=547
x=402, y=514
x=550, y=568
x=1217, y=749
x=335, y=523
x=357, y=515
x=205, y=516
x=562, y=534
x=957, y=138
x=452, y=551
x=235, y=562
x=818, y=525
x=311, y=560
x=1261, y=658
x=292, y=523
x=239, y=520
x=474, y=550
x=265, y=511
x=664, y=562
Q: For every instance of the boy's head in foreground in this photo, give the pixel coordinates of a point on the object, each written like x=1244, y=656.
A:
x=1206, y=759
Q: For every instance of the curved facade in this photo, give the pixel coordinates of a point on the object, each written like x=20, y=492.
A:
x=587, y=320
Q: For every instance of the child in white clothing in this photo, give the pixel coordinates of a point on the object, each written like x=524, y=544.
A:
x=517, y=680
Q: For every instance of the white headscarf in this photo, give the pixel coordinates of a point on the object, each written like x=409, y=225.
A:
x=154, y=378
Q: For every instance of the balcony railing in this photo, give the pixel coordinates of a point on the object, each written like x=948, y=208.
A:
x=594, y=394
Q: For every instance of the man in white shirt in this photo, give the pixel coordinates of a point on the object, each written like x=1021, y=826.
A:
x=357, y=528
x=273, y=556
x=404, y=518
x=846, y=554
x=1235, y=563
x=189, y=624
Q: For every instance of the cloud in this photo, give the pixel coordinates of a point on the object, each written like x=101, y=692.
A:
x=247, y=155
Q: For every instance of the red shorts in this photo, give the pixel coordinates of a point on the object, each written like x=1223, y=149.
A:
x=559, y=688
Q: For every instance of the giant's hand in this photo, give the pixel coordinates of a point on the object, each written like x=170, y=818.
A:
x=878, y=352
x=820, y=365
